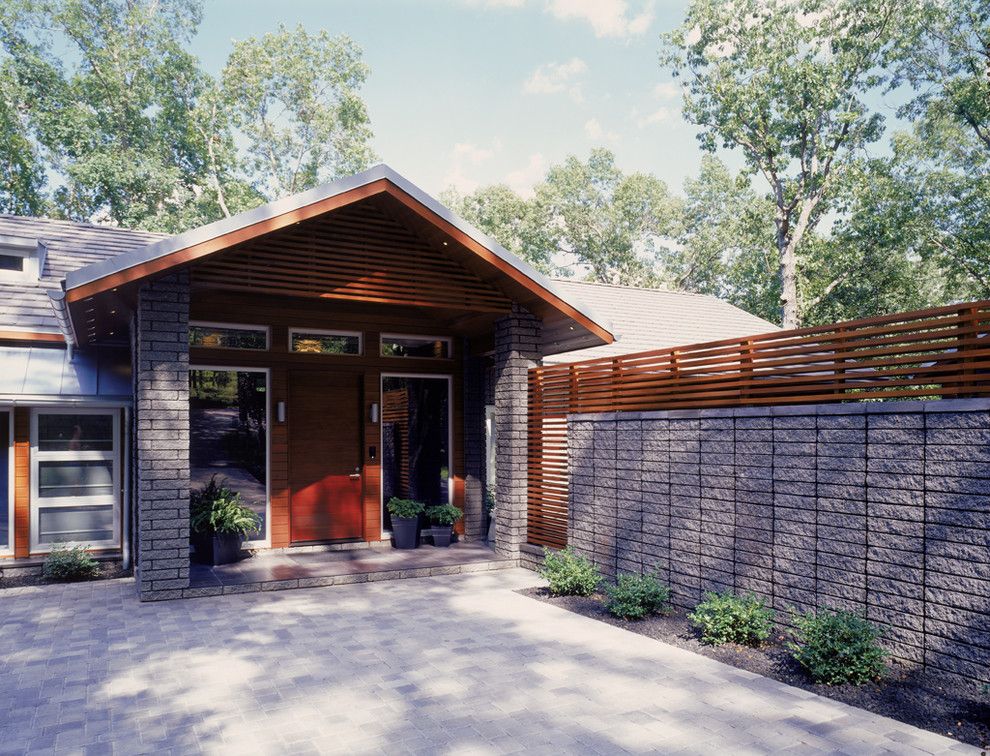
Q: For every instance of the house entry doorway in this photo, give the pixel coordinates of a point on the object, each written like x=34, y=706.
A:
x=325, y=456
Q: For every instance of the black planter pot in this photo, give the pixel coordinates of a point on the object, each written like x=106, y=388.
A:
x=218, y=548
x=441, y=535
x=405, y=532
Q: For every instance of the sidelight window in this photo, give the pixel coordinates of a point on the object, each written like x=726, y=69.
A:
x=75, y=478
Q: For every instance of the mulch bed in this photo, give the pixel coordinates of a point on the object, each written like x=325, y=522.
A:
x=18, y=579
x=908, y=695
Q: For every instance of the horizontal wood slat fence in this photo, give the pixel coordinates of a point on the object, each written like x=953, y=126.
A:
x=925, y=354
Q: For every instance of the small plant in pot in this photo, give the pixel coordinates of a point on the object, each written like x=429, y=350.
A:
x=405, y=521
x=219, y=522
x=443, y=517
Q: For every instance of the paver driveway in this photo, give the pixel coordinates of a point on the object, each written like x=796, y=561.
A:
x=453, y=664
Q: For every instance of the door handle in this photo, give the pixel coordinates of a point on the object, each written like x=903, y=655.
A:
x=354, y=475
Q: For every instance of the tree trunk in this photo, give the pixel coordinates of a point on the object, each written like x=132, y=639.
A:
x=788, y=283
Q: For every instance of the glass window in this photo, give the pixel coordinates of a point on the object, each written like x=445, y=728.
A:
x=415, y=346
x=75, y=480
x=228, y=434
x=324, y=342
x=75, y=524
x=85, y=478
x=6, y=505
x=415, y=440
x=12, y=262
x=75, y=432
x=227, y=337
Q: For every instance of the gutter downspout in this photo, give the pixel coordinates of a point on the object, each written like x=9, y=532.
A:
x=61, y=309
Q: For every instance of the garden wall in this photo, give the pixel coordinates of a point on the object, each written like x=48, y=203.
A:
x=879, y=507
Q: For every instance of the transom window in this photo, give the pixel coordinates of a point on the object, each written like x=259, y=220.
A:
x=75, y=480
x=310, y=341
x=227, y=336
x=429, y=347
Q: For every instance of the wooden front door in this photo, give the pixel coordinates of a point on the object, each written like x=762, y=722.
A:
x=325, y=456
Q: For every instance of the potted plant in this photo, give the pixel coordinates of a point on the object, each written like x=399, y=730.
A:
x=405, y=521
x=219, y=522
x=443, y=517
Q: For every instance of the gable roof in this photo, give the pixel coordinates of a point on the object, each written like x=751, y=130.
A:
x=563, y=314
x=25, y=305
x=645, y=319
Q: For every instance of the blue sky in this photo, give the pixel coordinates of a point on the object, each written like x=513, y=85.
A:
x=470, y=92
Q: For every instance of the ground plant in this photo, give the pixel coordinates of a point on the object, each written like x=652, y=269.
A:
x=70, y=563
x=724, y=617
x=636, y=596
x=569, y=574
x=407, y=508
x=444, y=514
x=215, y=508
x=836, y=646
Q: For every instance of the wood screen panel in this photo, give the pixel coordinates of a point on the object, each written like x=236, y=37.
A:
x=358, y=253
x=926, y=354
x=22, y=482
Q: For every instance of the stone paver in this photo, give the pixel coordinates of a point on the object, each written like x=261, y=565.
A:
x=456, y=664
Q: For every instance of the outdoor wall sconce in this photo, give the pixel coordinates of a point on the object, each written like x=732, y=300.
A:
x=374, y=412
x=280, y=411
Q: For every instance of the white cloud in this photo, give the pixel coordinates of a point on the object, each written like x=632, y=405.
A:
x=657, y=116
x=597, y=133
x=523, y=180
x=496, y=3
x=464, y=157
x=557, y=77
x=667, y=90
x=608, y=18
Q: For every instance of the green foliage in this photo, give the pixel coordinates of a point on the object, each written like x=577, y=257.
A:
x=728, y=618
x=405, y=507
x=836, y=646
x=636, y=596
x=295, y=99
x=215, y=508
x=569, y=574
x=65, y=563
x=444, y=514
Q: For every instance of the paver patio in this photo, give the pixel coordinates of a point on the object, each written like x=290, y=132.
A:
x=452, y=664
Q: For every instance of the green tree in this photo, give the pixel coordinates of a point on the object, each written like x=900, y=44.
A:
x=784, y=81
x=22, y=176
x=586, y=218
x=295, y=99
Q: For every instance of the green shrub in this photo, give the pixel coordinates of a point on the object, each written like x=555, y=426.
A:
x=635, y=596
x=444, y=514
x=728, y=618
x=64, y=563
x=214, y=508
x=836, y=646
x=568, y=573
x=404, y=507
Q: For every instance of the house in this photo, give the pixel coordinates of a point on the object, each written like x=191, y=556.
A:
x=322, y=353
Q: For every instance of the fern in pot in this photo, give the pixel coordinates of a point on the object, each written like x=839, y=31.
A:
x=443, y=517
x=219, y=522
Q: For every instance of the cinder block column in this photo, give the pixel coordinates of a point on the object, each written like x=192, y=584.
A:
x=161, y=437
x=517, y=348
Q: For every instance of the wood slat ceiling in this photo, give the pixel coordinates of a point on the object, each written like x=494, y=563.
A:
x=359, y=253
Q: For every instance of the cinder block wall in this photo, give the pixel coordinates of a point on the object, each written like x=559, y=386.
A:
x=883, y=508
x=161, y=437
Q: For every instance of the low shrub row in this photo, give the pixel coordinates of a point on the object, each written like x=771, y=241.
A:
x=833, y=646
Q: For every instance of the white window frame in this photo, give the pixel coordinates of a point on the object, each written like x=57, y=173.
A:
x=232, y=327
x=29, y=251
x=383, y=336
x=8, y=548
x=324, y=332
x=266, y=543
x=37, y=456
x=450, y=437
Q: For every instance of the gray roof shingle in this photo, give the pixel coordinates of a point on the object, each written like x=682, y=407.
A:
x=644, y=319
x=24, y=306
